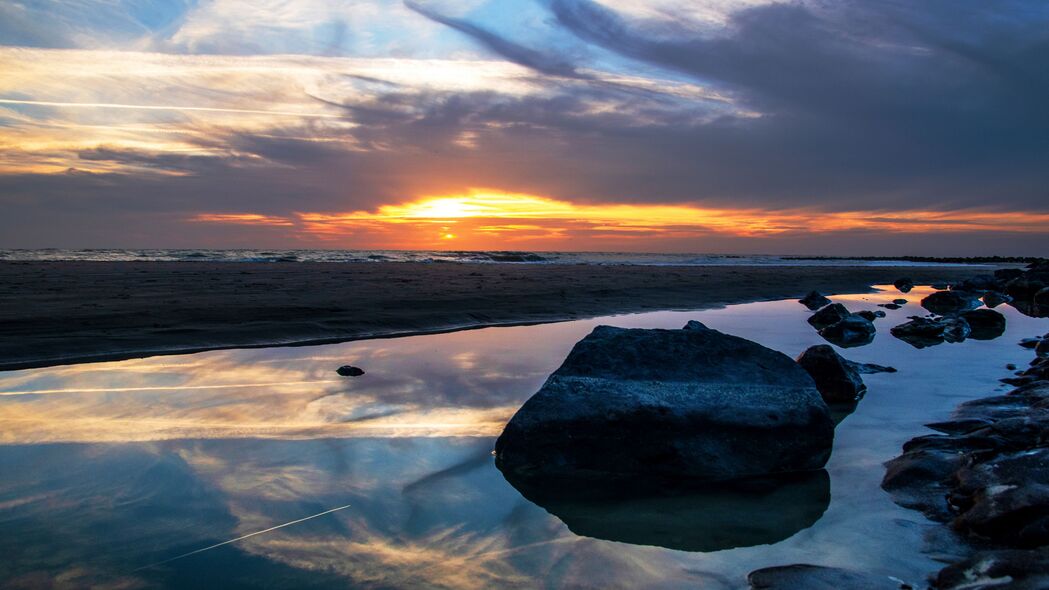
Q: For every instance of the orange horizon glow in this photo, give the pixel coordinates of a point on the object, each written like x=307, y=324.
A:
x=486, y=219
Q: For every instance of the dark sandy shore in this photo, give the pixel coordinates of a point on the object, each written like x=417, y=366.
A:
x=63, y=312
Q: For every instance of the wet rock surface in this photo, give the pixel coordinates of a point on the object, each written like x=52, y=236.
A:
x=950, y=302
x=837, y=380
x=690, y=403
x=814, y=300
x=922, y=332
x=853, y=330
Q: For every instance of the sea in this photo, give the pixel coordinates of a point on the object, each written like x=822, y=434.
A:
x=471, y=257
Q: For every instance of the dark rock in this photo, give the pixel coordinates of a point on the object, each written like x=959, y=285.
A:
x=1004, y=275
x=994, y=298
x=1041, y=297
x=1030, y=342
x=948, y=302
x=904, y=285
x=900, y=301
x=940, y=286
x=879, y=313
x=870, y=368
x=978, y=284
x=1011, y=569
x=693, y=403
x=889, y=305
x=916, y=480
x=828, y=315
x=867, y=315
x=814, y=300
x=349, y=371
x=710, y=516
x=1010, y=367
x=818, y=577
x=1042, y=348
x=986, y=324
x=851, y=331
x=1025, y=286
x=836, y=380
x=923, y=332
x=964, y=426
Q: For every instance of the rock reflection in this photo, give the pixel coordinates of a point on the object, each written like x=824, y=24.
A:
x=700, y=517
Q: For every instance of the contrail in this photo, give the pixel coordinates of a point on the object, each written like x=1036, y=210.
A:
x=272, y=528
x=146, y=107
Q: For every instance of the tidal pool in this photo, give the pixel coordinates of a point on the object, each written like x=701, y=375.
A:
x=135, y=473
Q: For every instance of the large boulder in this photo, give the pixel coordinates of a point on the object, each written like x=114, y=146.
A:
x=923, y=332
x=837, y=380
x=691, y=403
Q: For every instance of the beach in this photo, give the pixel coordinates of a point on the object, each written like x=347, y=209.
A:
x=65, y=312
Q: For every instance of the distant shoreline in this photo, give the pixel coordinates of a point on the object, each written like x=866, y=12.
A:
x=513, y=257
x=55, y=313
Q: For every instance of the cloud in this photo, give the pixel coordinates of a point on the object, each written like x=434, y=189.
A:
x=842, y=108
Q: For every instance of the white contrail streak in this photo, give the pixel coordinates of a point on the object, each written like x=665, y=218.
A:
x=146, y=107
x=272, y=528
x=165, y=388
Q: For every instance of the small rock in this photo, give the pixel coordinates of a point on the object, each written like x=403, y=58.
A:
x=994, y=298
x=349, y=371
x=1030, y=342
x=889, y=305
x=828, y=315
x=923, y=332
x=904, y=285
x=814, y=300
x=900, y=301
x=1010, y=367
x=948, y=302
x=851, y=331
x=870, y=368
x=870, y=316
x=986, y=324
x=940, y=286
x=1012, y=569
x=818, y=577
x=836, y=379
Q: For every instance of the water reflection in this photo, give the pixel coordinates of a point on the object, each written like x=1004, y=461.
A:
x=700, y=517
x=108, y=467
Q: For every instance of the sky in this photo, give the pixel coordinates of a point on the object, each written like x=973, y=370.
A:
x=849, y=127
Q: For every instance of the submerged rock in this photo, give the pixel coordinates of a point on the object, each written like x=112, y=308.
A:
x=349, y=371
x=817, y=577
x=949, y=302
x=814, y=300
x=851, y=331
x=836, y=379
x=692, y=403
x=904, y=285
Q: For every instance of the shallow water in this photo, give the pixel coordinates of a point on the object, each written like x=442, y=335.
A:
x=108, y=469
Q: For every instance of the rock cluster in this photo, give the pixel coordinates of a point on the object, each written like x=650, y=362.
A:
x=841, y=327
x=987, y=475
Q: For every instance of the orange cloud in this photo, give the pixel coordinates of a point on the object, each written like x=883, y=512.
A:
x=484, y=219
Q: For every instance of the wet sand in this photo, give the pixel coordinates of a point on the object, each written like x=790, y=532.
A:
x=65, y=312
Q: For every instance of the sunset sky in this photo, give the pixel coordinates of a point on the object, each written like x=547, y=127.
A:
x=823, y=127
